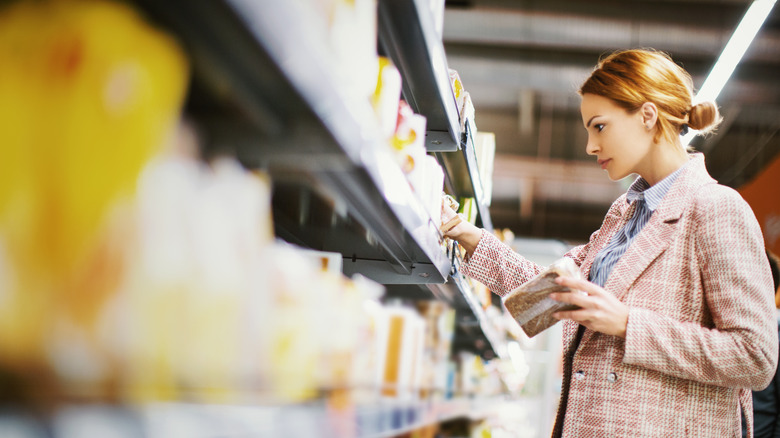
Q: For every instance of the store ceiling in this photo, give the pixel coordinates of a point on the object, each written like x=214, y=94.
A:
x=522, y=62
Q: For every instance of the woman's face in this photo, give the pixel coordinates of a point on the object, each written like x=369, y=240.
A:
x=619, y=139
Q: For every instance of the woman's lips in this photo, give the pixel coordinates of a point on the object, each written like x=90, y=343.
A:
x=603, y=163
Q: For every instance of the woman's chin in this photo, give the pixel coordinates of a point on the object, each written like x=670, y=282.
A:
x=615, y=176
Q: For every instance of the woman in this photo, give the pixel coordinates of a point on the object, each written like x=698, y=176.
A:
x=677, y=324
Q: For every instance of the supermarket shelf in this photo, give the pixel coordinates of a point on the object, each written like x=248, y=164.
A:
x=479, y=192
x=494, y=345
x=497, y=345
x=478, y=333
x=267, y=76
x=407, y=35
x=407, y=417
x=463, y=174
x=384, y=419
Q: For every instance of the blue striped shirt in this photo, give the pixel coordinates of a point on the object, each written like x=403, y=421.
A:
x=647, y=199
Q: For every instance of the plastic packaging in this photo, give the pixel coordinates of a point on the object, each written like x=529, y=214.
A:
x=530, y=304
x=387, y=96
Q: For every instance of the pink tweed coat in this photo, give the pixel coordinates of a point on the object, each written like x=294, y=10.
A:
x=701, y=329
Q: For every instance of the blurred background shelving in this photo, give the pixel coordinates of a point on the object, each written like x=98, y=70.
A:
x=285, y=90
x=251, y=195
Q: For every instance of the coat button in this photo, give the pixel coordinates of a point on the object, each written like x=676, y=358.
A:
x=612, y=377
x=579, y=375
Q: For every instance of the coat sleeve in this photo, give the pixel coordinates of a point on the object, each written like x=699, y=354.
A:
x=498, y=266
x=741, y=349
x=502, y=270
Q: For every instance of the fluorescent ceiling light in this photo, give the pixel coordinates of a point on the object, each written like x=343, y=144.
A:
x=732, y=54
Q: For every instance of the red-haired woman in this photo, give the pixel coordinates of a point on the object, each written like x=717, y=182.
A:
x=678, y=323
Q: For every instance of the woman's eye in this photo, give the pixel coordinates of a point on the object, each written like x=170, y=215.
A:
x=599, y=126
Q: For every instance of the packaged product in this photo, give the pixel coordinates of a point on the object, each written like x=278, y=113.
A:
x=457, y=87
x=89, y=93
x=531, y=305
x=485, y=150
x=387, y=96
x=468, y=208
x=403, y=346
x=352, y=37
x=409, y=139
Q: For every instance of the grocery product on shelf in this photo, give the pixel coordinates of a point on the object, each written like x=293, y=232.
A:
x=267, y=321
x=457, y=87
x=485, y=150
x=352, y=30
x=167, y=305
x=439, y=332
x=482, y=293
x=197, y=282
x=464, y=103
x=422, y=171
x=437, y=12
x=89, y=92
x=467, y=114
x=428, y=183
x=403, y=345
x=409, y=138
x=468, y=208
x=303, y=356
x=387, y=97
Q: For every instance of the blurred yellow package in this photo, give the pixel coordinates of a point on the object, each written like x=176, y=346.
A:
x=88, y=92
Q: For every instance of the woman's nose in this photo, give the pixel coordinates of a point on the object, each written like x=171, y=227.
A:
x=591, y=148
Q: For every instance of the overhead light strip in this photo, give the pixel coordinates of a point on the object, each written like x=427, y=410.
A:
x=721, y=72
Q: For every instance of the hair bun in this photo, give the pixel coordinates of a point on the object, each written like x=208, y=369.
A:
x=704, y=116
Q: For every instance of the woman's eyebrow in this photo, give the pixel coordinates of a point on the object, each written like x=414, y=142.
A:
x=587, y=125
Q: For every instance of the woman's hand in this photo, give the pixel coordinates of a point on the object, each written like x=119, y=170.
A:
x=599, y=310
x=450, y=220
x=457, y=228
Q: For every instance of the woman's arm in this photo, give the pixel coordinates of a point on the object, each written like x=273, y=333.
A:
x=456, y=228
x=488, y=260
x=493, y=263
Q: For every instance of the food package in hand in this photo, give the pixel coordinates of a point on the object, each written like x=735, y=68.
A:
x=530, y=304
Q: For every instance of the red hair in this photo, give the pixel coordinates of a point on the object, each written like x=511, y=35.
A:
x=632, y=77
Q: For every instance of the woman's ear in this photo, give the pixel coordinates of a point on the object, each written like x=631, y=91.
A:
x=649, y=113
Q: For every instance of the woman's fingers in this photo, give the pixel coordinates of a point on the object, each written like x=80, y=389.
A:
x=452, y=223
x=578, y=284
x=578, y=315
x=574, y=297
x=598, y=310
x=579, y=291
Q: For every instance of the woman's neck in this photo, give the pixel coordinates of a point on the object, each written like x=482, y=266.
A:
x=665, y=160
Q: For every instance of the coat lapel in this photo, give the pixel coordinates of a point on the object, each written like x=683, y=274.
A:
x=651, y=242
x=657, y=235
x=615, y=221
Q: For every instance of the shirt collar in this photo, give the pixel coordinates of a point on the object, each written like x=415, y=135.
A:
x=652, y=196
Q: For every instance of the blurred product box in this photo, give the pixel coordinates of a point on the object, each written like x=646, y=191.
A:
x=485, y=150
